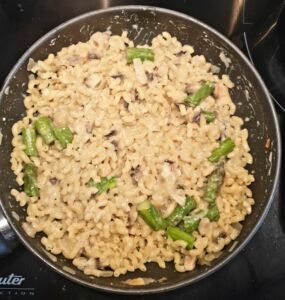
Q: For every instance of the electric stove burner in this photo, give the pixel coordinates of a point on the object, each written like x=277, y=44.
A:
x=266, y=47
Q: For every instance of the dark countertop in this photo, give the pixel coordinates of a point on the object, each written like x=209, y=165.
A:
x=258, y=272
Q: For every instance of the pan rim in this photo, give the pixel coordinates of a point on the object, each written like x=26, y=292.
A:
x=169, y=287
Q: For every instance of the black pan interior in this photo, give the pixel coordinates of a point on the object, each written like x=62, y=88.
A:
x=249, y=95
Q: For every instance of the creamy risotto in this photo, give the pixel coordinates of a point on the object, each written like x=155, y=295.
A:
x=128, y=156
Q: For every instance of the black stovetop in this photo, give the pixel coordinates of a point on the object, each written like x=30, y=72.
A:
x=258, y=272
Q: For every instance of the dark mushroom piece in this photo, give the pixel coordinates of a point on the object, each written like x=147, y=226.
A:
x=92, y=55
x=111, y=133
x=120, y=76
x=136, y=174
x=89, y=127
x=116, y=145
x=222, y=235
x=53, y=180
x=196, y=117
x=36, y=113
x=73, y=60
x=137, y=96
x=192, y=87
x=149, y=76
x=180, y=187
x=126, y=105
x=169, y=161
x=180, y=53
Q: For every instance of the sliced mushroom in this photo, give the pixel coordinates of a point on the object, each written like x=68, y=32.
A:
x=192, y=87
x=111, y=133
x=53, y=180
x=93, y=80
x=222, y=235
x=221, y=92
x=180, y=187
x=180, y=53
x=169, y=161
x=125, y=104
x=204, y=226
x=89, y=127
x=93, y=55
x=178, y=196
x=149, y=76
x=196, y=117
x=36, y=113
x=136, y=174
x=137, y=96
x=73, y=60
x=115, y=144
x=120, y=76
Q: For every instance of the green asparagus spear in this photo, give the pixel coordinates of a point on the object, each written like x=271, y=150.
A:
x=177, y=234
x=213, y=184
x=203, y=92
x=213, y=213
x=180, y=211
x=142, y=53
x=191, y=222
x=29, y=140
x=225, y=147
x=45, y=129
x=30, y=180
x=151, y=216
x=209, y=116
x=103, y=185
x=63, y=135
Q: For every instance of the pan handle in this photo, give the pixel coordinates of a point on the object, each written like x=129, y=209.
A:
x=8, y=238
